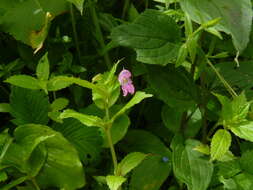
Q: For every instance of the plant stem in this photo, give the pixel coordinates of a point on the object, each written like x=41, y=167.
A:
x=99, y=34
x=109, y=140
x=225, y=83
x=73, y=20
x=113, y=153
x=35, y=184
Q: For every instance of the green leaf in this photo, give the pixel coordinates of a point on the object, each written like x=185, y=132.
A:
x=56, y=83
x=5, y=108
x=59, y=104
x=244, y=181
x=144, y=141
x=24, y=81
x=241, y=77
x=130, y=162
x=138, y=97
x=190, y=168
x=172, y=86
x=236, y=17
x=88, y=120
x=109, y=82
x=25, y=153
x=87, y=140
x=16, y=18
x=243, y=130
x=114, y=182
x=150, y=174
x=60, y=157
x=234, y=111
x=220, y=144
x=29, y=106
x=246, y=162
x=154, y=36
x=42, y=70
x=3, y=176
x=78, y=4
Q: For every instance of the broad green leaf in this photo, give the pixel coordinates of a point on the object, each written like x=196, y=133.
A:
x=87, y=140
x=228, y=169
x=244, y=181
x=130, y=162
x=144, y=141
x=190, y=168
x=138, y=97
x=114, y=182
x=42, y=70
x=88, y=120
x=228, y=183
x=24, y=81
x=243, y=130
x=5, y=107
x=171, y=85
x=29, y=106
x=24, y=153
x=150, y=174
x=220, y=144
x=16, y=18
x=60, y=157
x=246, y=162
x=59, y=104
x=241, y=77
x=154, y=36
x=236, y=17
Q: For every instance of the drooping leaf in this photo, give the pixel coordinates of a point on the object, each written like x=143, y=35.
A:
x=16, y=18
x=236, y=17
x=154, y=36
x=220, y=144
x=29, y=106
x=130, y=162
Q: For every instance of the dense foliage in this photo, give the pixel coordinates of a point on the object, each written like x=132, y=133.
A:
x=126, y=95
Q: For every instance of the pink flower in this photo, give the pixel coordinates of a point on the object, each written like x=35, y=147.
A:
x=126, y=82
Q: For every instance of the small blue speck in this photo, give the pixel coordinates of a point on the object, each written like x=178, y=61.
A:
x=165, y=159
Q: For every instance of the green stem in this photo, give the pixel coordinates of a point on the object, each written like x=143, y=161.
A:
x=225, y=83
x=73, y=20
x=125, y=8
x=99, y=33
x=109, y=140
x=15, y=183
x=113, y=153
x=35, y=184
